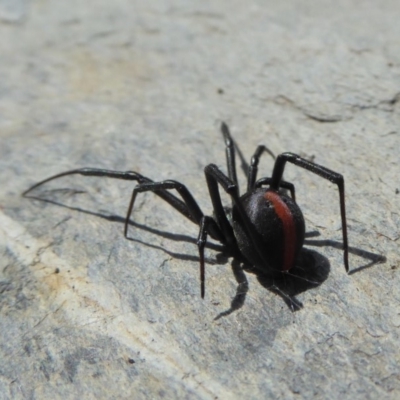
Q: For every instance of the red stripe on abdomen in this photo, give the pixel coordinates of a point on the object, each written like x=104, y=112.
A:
x=289, y=228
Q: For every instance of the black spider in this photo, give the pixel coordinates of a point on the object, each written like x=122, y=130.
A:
x=264, y=228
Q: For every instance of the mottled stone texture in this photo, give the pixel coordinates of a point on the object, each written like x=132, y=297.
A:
x=143, y=86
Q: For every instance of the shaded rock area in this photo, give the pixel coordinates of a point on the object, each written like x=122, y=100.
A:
x=144, y=86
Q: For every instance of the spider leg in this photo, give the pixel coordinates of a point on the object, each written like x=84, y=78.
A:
x=243, y=163
x=128, y=175
x=188, y=207
x=286, y=185
x=230, y=152
x=192, y=209
x=215, y=176
x=323, y=172
x=253, y=168
x=205, y=222
x=176, y=203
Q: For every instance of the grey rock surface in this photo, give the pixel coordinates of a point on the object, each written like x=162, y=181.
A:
x=143, y=86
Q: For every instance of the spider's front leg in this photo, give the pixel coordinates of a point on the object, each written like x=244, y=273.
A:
x=230, y=152
x=253, y=168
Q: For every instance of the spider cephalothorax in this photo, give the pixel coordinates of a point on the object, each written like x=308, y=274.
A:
x=264, y=228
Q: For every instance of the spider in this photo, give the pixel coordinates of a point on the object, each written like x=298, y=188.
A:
x=264, y=227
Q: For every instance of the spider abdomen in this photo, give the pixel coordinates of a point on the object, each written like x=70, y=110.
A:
x=280, y=227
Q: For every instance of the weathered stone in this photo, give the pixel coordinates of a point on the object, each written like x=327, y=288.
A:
x=141, y=86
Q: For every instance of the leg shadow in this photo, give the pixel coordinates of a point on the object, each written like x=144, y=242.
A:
x=311, y=270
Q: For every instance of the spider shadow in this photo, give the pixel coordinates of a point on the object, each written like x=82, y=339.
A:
x=220, y=258
x=311, y=270
x=372, y=257
x=301, y=278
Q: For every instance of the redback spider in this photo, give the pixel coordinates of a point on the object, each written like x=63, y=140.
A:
x=264, y=228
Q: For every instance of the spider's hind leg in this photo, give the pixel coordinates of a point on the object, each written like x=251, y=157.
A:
x=323, y=172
